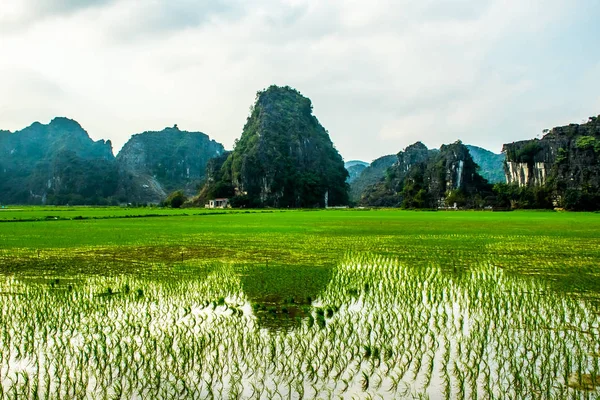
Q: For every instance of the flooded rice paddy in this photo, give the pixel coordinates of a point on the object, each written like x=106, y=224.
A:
x=401, y=323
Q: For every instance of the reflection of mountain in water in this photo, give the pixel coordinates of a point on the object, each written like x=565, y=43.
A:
x=378, y=327
x=282, y=295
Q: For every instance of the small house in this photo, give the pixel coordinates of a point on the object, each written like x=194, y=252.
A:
x=217, y=203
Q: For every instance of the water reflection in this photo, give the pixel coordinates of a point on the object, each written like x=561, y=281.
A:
x=372, y=326
x=281, y=296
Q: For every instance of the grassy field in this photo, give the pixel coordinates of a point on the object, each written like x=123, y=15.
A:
x=272, y=303
x=546, y=243
x=17, y=213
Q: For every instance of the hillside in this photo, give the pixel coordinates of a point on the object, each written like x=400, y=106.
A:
x=424, y=178
x=56, y=163
x=354, y=168
x=561, y=169
x=153, y=164
x=491, y=165
x=285, y=157
x=370, y=176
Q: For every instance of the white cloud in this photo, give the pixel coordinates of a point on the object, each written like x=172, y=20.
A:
x=21, y=14
x=381, y=74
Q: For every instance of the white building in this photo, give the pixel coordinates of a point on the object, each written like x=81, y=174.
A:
x=217, y=203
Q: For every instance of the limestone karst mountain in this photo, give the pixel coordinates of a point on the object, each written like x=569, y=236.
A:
x=354, y=168
x=424, y=178
x=56, y=163
x=565, y=164
x=284, y=157
x=491, y=165
x=370, y=176
x=153, y=164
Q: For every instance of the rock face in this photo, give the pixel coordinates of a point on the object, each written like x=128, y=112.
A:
x=491, y=165
x=284, y=157
x=215, y=185
x=371, y=175
x=153, y=164
x=566, y=162
x=529, y=162
x=423, y=178
x=56, y=163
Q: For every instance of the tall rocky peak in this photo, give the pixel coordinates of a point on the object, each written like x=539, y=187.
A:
x=285, y=157
x=457, y=169
x=414, y=154
x=566, y=162
x=158, y=162
x=56, y=163
x=421, y=177
x=46, y=140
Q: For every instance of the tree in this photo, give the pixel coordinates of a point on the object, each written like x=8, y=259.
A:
x=175, y=199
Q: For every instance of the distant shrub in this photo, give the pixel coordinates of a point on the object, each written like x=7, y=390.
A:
x=527, y=153
x=581, y=200
x=562, y=156
x=522, y=197
x=175, y=199
x=587, y=142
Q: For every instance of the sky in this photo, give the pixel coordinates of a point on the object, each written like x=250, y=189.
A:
x=381, y=74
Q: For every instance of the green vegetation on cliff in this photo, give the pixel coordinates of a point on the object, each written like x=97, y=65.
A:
x=156, y=163
x=423, y=178
x=56, y=163
x=59, y=164
x=370, y=176
x=215, y=186
x=562, y=169
x=285, y=157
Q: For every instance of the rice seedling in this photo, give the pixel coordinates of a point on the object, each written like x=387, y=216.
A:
x=451, y=304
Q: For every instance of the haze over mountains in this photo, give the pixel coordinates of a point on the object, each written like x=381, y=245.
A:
x=58, y=163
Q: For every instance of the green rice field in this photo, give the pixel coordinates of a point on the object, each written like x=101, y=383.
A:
x=149, y=303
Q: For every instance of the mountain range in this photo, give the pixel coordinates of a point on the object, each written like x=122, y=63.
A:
x=58, y=163
x=285, y=158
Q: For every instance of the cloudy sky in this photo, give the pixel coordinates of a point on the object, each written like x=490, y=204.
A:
x=381, y=74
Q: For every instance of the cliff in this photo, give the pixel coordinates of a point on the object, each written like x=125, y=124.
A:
x=565, y=162
x=153, y=164
x=59, y=163
x=215, y=186
x=423, y=178
x=285, y=157
x=56, y=163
